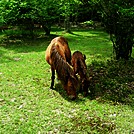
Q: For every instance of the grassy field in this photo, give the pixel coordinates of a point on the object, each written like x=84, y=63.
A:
x=28, y=106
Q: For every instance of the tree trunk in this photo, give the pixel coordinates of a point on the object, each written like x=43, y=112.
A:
x=47, y=29
x=123, y=47
x=67, y=25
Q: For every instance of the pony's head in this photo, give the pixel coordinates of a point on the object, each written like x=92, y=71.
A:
x=71, y=87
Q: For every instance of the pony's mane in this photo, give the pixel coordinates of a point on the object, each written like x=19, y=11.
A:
x=62, y=40
x=63, y=69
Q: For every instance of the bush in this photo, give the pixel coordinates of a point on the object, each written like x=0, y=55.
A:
x=113, y=80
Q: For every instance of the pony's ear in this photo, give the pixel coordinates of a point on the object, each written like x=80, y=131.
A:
x=84, y=56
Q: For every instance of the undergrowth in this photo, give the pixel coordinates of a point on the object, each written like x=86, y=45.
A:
x=113, y=80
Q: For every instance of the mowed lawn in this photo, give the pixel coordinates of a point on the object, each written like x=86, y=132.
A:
x=28, y=106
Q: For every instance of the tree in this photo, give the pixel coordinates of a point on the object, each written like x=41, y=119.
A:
x=27, y=12
x=118, y=18
x=47, y=13
x=89, y=10
x=68, y=9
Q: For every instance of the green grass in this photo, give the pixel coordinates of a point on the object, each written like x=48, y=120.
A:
x=28, y=106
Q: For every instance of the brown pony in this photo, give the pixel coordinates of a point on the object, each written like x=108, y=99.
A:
x=58, y=56
x=79, y=65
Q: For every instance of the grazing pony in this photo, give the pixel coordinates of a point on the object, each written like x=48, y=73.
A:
x=79, y=66
x=58, y=56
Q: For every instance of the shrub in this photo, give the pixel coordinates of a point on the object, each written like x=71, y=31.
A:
x=113, y=80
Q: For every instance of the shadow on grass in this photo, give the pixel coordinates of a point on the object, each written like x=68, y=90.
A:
x=23, y=44
x=20, y=43
x=112, y=81
x=38, y=42
x=58, y=88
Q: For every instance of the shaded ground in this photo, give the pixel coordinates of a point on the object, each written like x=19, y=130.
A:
x=113, y=80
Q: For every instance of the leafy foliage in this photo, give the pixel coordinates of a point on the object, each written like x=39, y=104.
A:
x=28, y=13
x=68, y=9
x=118, y=18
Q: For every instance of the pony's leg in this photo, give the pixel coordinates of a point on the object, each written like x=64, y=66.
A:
x=85, y=87
x=52, y=77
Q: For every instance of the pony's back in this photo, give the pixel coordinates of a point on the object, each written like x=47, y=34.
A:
x=63, y=49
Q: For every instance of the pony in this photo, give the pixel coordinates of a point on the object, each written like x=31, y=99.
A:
x=80, y=67
x=58, y=56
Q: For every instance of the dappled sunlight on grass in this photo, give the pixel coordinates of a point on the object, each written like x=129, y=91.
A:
x=29, y=106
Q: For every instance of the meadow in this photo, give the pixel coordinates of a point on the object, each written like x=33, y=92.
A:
x=28, y=106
